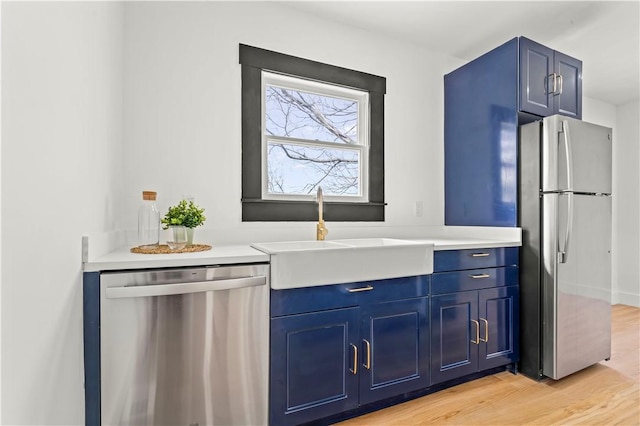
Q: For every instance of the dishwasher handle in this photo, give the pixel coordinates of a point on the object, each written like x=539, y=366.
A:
x=184, y=288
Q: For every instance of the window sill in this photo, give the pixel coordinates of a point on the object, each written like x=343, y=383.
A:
x=258, y=210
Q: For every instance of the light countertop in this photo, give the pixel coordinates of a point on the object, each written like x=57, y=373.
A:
x=442, y=243
x=218, y=255
x=122, y=258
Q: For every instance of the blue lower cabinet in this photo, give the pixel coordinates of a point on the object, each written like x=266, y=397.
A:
x=328, y=362
x=473, y=331
x=453, y=351
x=499, y=324
x=352, y=347
x=355, y=347
x=314, y=365
x=394, y=349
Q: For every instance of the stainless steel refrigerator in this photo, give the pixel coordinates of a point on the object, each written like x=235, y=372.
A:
x=565, y=268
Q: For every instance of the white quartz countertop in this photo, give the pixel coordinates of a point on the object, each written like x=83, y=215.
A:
x=218, y=255
x=122, y=258
x=467, y=243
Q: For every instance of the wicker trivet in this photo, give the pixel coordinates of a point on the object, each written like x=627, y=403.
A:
x=164, y=249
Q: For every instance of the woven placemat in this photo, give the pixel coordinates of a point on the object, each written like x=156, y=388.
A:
x=164, y=249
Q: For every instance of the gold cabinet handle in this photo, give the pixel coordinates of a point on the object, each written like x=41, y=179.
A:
x=356, y=290
x=486, y=330
x=477, y=341
x=368, y=364
x=480, y=254
x=355, y=359
x=478, y=276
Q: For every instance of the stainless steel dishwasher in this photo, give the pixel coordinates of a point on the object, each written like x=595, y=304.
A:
x=185, y=346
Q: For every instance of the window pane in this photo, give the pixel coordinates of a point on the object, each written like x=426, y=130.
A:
x=299, y=169
x=304, y=115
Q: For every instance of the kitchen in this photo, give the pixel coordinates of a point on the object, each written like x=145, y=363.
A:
x=116, y=98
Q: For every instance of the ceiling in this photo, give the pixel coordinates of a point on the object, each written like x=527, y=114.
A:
x=603, y=34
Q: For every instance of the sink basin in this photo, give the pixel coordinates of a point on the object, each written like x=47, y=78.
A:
x=286, y=246
x=312, y=263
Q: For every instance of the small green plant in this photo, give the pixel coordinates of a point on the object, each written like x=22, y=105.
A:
x=185, y=213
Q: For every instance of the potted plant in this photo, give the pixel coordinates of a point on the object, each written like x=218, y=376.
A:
x=185, y=213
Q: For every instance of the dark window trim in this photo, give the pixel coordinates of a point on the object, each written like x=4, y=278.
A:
x=253, y=60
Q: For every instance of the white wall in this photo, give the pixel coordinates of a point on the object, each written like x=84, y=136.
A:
x=627, y=156
x=61, y=141
x=183, y=120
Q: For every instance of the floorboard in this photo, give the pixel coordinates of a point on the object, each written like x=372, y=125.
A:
x=607, y=393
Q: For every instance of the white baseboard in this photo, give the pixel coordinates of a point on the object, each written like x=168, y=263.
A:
x=621, y=298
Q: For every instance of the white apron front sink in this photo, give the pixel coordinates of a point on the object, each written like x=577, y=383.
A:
x=312, y=263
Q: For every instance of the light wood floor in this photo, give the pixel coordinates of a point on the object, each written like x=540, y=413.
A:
x=607, y=393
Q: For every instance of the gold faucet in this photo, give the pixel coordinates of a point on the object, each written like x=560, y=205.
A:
x=321, y=231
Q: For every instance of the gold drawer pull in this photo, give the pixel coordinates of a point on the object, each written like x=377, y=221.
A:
x=480, y=254
x=355, y=290
x=477, y=276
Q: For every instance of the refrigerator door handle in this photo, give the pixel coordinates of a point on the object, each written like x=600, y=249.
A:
x=568, y=154
x=563, y=250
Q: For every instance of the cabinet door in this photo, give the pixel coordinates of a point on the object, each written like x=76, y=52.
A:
x=536, y=67
x=498, y=311
x=395, y=349
x=313, y=366
x=568, y=101
x=454, y=332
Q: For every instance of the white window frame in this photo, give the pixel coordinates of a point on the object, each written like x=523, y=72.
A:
x=362, y=145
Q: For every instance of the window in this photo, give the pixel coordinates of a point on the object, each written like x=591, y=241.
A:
x=314, y=134
x=304, y=125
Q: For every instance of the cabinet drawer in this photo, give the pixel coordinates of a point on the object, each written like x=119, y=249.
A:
x=310, y=299
x=454, y=260
x=473, y=279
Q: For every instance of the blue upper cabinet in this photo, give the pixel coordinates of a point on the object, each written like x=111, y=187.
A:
x=480, y=126
x=485, y=101
x=536, y=79
x=569, y=90
x=550, y=81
